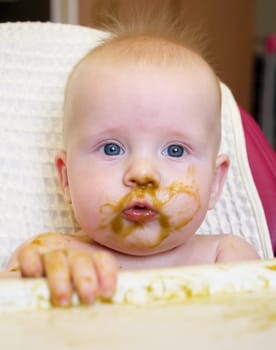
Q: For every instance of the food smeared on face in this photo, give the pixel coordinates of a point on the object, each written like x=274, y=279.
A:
x=146, y=204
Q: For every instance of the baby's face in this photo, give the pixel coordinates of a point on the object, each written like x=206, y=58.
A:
x=141, y=155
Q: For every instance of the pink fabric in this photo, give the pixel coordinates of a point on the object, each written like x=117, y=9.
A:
x=262, y=161
x=270, y=44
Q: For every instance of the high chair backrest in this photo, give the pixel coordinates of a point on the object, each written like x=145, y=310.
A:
x=262, y=161
x=35, y=60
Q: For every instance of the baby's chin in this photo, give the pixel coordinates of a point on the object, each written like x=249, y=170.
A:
x=142, y=243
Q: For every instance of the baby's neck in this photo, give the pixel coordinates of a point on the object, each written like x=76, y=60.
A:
x=200, y=249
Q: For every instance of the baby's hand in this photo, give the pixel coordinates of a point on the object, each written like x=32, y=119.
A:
x=91, y=274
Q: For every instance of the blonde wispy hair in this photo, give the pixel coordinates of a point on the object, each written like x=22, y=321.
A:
x=151, y=32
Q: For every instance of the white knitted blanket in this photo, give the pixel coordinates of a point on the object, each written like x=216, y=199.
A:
x=35, y=59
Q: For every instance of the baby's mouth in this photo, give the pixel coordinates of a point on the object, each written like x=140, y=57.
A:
x=140, y=211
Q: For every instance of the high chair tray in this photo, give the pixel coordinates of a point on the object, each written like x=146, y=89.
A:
x=229, y=306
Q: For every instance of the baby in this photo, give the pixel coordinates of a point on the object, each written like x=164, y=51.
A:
x=140, y=166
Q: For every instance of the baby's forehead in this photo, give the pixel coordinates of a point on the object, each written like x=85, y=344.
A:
x=143, y=52
x=107, y=64
x=146, y=55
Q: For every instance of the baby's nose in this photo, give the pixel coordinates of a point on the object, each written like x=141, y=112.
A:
x=142, y=173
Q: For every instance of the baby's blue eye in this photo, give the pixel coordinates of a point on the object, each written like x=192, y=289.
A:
x=175, y=151
x=112, y=149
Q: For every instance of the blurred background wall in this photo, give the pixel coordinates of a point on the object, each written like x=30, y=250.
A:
x=236, y=31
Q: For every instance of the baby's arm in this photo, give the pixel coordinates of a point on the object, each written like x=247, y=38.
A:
x=232, y=248
x=68, y=263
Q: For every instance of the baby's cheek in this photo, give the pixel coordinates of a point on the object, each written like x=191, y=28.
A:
x=86, y=211
x=182, y=209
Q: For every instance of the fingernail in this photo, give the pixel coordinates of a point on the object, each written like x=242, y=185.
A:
x=106, y=294
x=62, y=301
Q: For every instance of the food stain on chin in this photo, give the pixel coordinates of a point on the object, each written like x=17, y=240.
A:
x=152, y=195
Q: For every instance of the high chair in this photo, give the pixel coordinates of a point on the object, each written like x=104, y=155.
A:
x=35, y=60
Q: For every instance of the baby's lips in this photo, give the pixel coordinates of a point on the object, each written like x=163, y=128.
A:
x=140, y=212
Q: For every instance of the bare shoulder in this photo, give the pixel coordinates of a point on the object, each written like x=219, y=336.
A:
x=234, y=248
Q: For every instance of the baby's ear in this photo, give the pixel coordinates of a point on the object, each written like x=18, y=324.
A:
x=60, y=162
x=222, y=165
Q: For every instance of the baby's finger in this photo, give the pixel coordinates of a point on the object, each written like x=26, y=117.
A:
x=58, y=275
x=84, y=276
x=107, y=270
x=30, y=261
